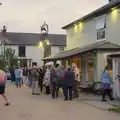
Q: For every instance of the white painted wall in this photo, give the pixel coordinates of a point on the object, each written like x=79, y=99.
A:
x=88, y=33
x=113, y=26
x=35, y=53
x=54, y=50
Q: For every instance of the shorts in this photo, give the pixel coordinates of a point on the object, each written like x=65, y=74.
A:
x=2, y=89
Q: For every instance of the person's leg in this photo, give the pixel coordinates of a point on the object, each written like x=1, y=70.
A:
x=70, y=92
x=33, y=87
x=41, y=85
x=49, y=89
x=75, y=90
x=109, y=93
x=53, y=90
x=6, y=100
x=65, y=92
x=57, y=90
x=104, y=95
x=16, y=82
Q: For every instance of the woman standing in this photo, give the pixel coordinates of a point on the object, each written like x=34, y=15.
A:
x=106, y=83
x=3, y=79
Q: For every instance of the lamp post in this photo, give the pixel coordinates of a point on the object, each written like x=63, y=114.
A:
x=44, y=40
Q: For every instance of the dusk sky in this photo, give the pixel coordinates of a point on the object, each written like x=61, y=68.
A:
x=29, y=15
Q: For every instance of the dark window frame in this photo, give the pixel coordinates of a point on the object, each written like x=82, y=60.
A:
x=22, y=51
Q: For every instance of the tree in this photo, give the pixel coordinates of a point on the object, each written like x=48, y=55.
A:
x=10, y=58
x=2, y=63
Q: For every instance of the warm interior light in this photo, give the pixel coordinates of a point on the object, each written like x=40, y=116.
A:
x=114, y=14
x=40, y=44
x=80, y=26
x=75, y=28
x=48, y=43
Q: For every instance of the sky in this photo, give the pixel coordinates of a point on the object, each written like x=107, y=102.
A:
x=29, y=15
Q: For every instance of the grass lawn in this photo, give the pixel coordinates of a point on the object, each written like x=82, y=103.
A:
x=116, y=109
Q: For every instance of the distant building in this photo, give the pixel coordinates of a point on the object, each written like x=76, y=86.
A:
x=27, y=49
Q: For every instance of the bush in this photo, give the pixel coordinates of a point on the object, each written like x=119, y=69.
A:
x=2, y=64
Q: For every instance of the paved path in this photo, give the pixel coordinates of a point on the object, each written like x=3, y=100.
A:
x=24, y=106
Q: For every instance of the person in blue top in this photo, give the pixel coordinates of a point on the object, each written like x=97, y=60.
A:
x=106, y=83
x=18, y=77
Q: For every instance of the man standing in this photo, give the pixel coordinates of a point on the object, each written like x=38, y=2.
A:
x=18, y=76
x=25, y=76
x=3, y=79
x=77, y=79
x=68, y=83
x=35, y=78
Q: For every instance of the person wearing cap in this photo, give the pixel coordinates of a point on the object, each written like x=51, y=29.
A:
x=68, y=83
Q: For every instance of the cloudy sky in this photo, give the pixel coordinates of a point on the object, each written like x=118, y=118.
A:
x=28, y=15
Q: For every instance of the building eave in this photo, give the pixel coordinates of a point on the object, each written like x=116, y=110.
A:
x=101, y=10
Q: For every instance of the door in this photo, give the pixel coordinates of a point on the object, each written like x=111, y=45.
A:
x=116, y=71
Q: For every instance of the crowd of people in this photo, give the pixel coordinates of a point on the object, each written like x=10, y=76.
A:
x=52, y=78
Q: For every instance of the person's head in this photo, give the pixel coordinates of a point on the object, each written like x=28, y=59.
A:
x=57, y=65
x=106, y=69
x=74, y=66
x=69, y=68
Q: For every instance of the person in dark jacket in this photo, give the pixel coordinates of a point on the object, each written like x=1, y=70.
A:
x=68, y=84
x=41, y=76
x=12, y=73
x=53, y=80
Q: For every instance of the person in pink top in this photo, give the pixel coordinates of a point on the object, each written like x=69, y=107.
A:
x=3, y=79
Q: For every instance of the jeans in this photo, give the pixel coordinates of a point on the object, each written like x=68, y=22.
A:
x=107, y=92
x=67, y=90
x=54, y=90
x=18, y=82
x=35, y=87
x=76, y=93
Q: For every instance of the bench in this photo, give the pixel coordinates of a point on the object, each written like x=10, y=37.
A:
x=91, y=87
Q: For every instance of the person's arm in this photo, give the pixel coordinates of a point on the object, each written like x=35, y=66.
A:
x=109, y=77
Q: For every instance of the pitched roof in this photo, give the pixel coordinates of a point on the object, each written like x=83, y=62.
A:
x=97, y=12
x=103, y=45
x=34, y=38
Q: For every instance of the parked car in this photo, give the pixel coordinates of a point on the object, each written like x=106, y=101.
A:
x=8, y=75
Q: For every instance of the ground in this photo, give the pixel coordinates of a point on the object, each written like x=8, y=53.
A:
x=24, y=106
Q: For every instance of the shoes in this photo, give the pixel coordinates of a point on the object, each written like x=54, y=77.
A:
x=33, y=93
x=112, y=99
x=7, y=104
x=103, y=100
x=37, y=94
x=65, y=99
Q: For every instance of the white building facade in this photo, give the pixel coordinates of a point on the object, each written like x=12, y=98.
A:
x=27, y=50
